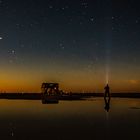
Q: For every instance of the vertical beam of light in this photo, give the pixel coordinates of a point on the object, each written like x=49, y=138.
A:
x=107, y=70
x=108, y=40
x=107, y=55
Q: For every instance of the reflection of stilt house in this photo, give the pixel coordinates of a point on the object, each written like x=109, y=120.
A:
x=50, y=92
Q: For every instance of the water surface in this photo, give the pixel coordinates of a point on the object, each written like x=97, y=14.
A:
x=70, y=120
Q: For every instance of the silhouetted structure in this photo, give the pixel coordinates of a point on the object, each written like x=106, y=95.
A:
x=50, y=88
x=50, y=92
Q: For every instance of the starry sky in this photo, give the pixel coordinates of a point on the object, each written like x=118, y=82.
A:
x=82, y=44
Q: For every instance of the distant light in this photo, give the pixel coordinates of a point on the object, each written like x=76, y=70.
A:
x=1, y=38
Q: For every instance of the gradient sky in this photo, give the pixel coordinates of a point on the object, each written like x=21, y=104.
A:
x=78, y=43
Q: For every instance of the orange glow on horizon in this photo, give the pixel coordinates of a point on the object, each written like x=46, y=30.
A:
x=70, y=81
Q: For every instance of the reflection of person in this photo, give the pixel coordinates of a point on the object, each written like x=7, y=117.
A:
x=107, y=104
x=107, y=92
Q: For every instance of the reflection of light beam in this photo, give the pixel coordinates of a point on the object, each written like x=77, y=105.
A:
x=107, y=116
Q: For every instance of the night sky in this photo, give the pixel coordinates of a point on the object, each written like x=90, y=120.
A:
x=81, y=44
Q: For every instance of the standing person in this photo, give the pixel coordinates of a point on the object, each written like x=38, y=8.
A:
x=107, y=91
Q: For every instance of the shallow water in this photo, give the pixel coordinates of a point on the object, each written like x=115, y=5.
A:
x=70, y=120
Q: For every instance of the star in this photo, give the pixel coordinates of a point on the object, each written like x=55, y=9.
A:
x=13, y=51
x=51, y=7
x=92, y=19
x=137, y=21
x=63, y=8
x=62, y=46
x=113, y=17
x=84, y=4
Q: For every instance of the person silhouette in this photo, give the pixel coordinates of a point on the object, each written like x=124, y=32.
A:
x=107, y=91
x=107, y=97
